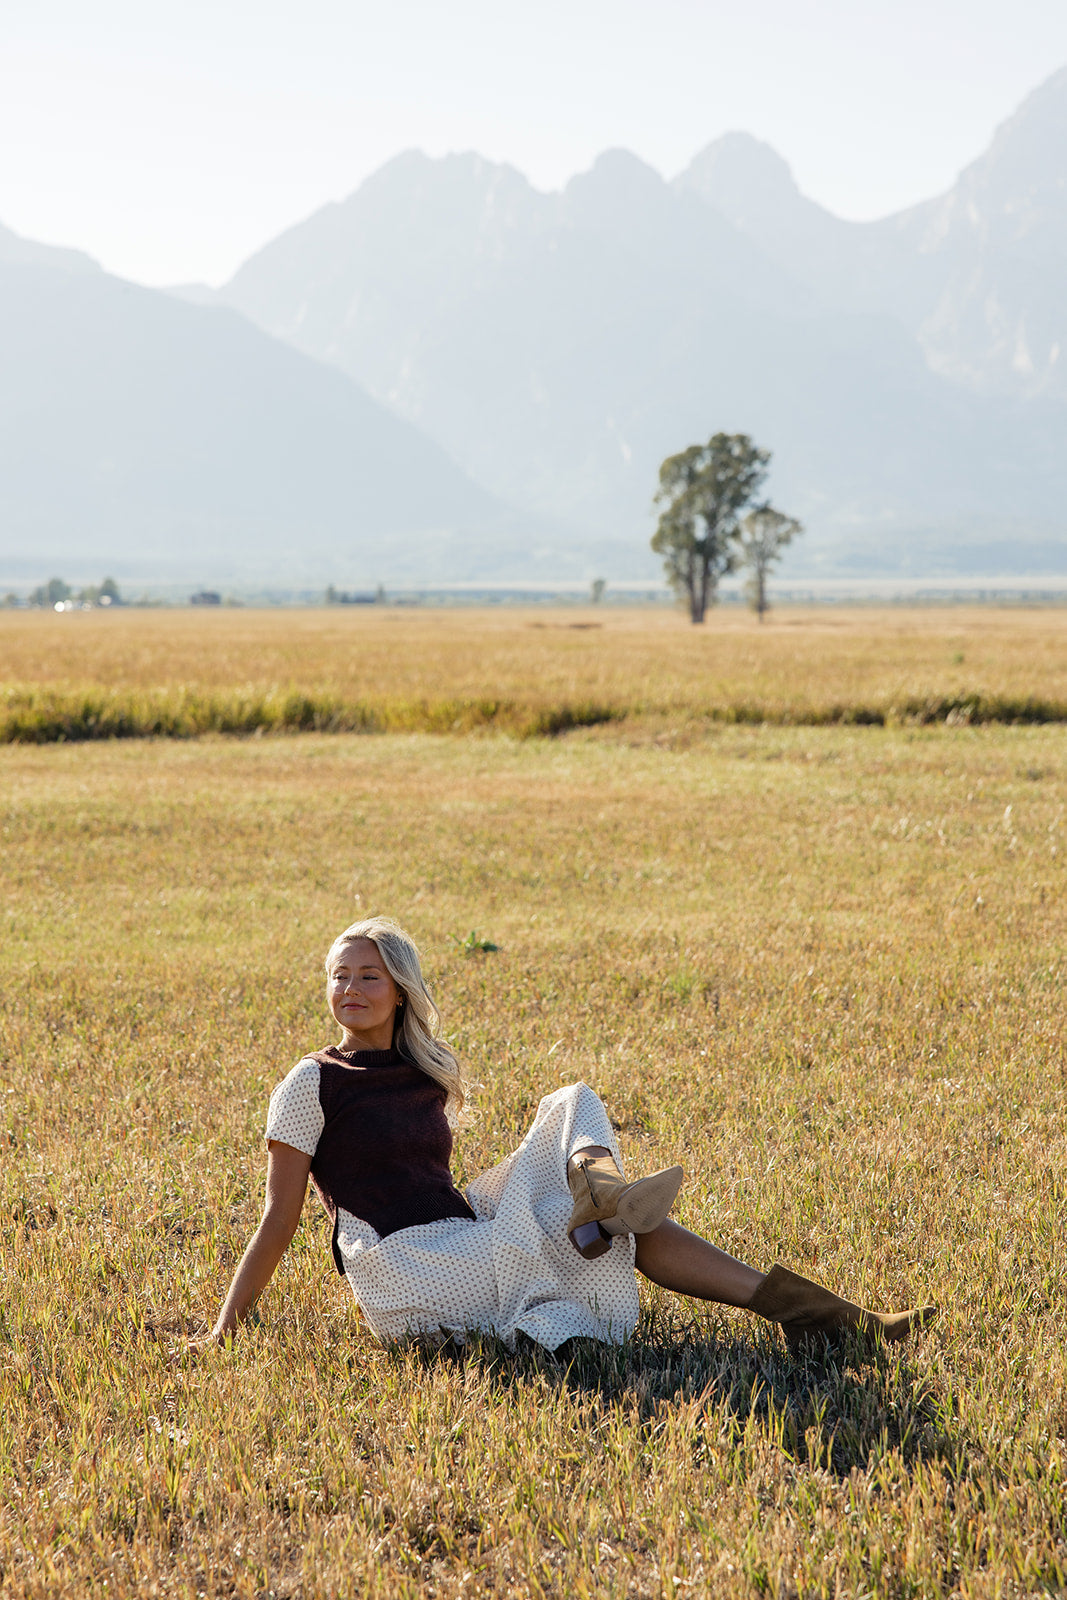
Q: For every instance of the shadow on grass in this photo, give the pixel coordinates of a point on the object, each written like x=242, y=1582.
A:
x=835, y=1409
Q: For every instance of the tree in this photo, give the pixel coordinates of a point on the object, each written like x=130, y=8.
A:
x=763, y=536
x=703, y=492
x=51, y=593
x=101, y=594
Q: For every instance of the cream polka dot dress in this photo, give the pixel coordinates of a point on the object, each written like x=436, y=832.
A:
x=510, y=1269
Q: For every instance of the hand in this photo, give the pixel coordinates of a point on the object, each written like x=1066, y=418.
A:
x=217, y=1339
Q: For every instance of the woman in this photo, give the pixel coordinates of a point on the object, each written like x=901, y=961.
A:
x=545, y=1243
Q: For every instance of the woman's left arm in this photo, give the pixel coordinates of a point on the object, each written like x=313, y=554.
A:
x=287, y=1179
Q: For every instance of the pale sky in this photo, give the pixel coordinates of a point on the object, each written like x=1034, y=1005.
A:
x=171, y=138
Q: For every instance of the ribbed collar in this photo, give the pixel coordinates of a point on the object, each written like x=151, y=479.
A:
x=368, y=1058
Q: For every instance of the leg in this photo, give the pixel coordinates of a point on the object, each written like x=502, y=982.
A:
x=677, y=1259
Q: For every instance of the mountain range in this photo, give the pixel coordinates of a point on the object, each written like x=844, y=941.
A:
x=451, y=375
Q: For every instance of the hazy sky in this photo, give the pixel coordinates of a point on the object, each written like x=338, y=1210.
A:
x=170, y=140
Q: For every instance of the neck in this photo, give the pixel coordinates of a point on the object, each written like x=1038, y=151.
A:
x=374, y=1039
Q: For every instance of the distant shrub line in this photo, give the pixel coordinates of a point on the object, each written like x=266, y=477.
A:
x=31, y=716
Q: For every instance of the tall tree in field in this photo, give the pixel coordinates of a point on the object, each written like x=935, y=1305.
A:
x=762, y=537
x=703, y=492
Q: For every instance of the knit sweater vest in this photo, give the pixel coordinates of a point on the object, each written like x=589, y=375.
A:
x=385, y=1147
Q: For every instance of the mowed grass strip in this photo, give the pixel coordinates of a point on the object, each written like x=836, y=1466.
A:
x=181, y=674
x=823, y=968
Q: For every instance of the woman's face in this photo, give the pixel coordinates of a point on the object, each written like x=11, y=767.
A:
x=362, y=996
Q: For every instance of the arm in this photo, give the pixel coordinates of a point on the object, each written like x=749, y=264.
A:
x=287, y=1177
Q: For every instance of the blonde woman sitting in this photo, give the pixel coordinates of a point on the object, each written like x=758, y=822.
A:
x=544, y=1244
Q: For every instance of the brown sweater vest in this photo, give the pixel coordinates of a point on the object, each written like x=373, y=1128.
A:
x=385, y=1149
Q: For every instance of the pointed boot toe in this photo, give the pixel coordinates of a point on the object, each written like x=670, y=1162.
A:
x=808, y=1312
x=898, y=1324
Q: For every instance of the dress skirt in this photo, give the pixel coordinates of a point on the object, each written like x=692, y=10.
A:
x=512, y=1268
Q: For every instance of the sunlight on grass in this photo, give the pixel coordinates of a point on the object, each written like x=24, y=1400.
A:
x=823, y=968
x=184, y=673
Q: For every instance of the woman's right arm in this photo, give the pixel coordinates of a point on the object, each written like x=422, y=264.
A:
x=287, y=1179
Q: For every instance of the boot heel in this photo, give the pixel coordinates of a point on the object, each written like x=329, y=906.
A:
x=589, y=1240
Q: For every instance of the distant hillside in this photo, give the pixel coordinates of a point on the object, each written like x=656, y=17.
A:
x=17, y=251
x=559, y=345
x=157, y=439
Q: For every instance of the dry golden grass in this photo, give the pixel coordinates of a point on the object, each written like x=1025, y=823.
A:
x=83, y=675
x=822, y=967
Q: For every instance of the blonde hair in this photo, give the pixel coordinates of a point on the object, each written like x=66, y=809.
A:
x=419, y=1021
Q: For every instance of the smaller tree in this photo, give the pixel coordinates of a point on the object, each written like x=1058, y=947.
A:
x=703, y=491
x=101, y=594
x=762, y=537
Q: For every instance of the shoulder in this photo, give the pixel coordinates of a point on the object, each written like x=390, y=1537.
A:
x=304, y=1075
x=295, y=1115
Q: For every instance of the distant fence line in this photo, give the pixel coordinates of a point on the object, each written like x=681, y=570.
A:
x=40, y=716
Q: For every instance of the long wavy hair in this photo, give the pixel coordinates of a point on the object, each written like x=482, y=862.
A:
x=418, y=1031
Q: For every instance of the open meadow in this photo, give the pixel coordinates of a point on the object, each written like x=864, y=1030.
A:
x=822, y=966
x=525, y=670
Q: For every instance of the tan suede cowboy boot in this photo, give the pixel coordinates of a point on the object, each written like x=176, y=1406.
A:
x=605, y=1204
x=805, y=1310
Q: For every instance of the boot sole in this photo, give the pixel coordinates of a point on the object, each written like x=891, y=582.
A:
x=646, y=1203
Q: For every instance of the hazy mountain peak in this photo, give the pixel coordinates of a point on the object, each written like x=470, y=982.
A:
x=615, y=174
x=457, y=171
x=999, y=322
x=620, y=166
x=618, y=187
x=741, y=176
x=1028, y=155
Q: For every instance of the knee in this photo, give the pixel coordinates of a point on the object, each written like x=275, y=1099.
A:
x=567, y=1094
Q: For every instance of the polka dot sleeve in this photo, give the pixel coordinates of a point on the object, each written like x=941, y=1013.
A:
x=295, y=1115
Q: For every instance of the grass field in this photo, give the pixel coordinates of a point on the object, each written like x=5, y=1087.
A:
x=821, y=966
x=98, y=674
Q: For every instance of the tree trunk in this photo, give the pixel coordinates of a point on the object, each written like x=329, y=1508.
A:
x=694, y=588
x=698, y=591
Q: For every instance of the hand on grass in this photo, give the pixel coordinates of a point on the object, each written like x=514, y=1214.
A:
x=217, y=1339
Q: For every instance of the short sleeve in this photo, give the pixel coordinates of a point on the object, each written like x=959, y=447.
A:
x=295, y=1115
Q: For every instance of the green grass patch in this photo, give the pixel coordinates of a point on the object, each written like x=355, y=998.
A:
x=53, y=716
x=45, y=716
